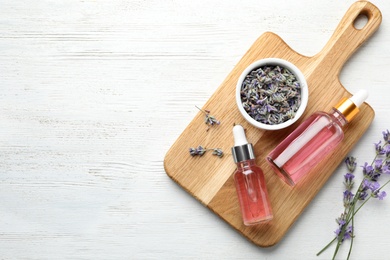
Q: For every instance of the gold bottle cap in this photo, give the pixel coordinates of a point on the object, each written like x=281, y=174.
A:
x=349, y=107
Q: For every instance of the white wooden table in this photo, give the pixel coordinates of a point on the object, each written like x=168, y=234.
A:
x=93, y=94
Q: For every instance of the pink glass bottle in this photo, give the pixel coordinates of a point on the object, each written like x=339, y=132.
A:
x=317, y=136
x=249, y=180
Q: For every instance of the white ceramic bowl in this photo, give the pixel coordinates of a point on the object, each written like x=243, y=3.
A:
x=273, y=62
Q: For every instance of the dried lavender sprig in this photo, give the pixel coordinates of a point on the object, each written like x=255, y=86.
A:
x=209, y=119
x=200, y=150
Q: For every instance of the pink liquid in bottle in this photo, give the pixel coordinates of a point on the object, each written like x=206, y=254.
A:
x=316, y=137
x=251, y=189
x=252, y=193
x=304, y=148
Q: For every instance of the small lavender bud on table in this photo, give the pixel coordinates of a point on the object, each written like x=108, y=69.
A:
x=200, y=150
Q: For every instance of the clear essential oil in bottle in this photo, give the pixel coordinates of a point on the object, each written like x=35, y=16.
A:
x=317, y=136
x=249, y=180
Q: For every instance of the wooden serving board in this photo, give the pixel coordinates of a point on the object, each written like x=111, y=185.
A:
x=209, y=178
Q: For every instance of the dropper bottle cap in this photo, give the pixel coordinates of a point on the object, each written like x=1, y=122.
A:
x=242, y=150
x=349, y=107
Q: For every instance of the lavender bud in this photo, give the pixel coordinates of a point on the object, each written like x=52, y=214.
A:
x=193, y=151
x=386, y=151
x=218, y=152
x=200, y=150
x=386, y=136
x=378, y=148
x=349, y=180
x=348, y=196
x=350, y=161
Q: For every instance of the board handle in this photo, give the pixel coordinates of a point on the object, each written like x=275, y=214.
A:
x=347, y=39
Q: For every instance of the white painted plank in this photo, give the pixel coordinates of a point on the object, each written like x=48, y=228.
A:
x=93, y=93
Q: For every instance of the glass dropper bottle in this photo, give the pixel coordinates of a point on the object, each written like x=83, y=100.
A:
x=249, y=180
x=316, y=137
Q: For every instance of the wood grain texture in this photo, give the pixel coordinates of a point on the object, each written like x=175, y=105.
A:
x=211, y=183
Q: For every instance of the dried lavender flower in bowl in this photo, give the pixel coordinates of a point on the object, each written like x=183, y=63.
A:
x=272, y=93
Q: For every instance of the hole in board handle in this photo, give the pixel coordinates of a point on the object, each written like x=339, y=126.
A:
x=360, y=21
